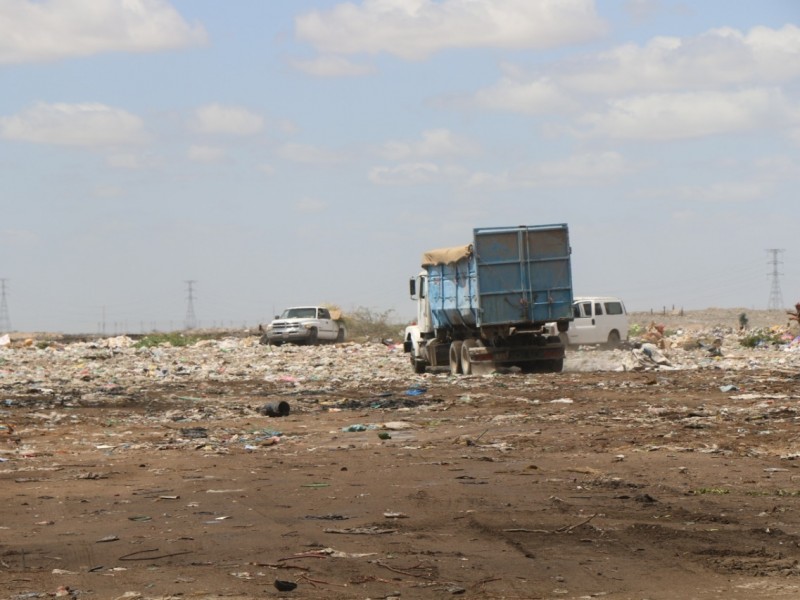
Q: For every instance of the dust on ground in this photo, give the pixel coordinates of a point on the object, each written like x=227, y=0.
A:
x=154, y=474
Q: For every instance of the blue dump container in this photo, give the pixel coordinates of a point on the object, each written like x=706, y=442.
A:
x=510, y=276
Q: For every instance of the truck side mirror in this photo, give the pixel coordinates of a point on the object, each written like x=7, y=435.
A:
x=412, y=287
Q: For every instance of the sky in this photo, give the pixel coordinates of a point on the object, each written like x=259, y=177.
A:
x=163, y=161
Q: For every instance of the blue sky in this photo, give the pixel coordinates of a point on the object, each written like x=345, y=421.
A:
x=308, y=151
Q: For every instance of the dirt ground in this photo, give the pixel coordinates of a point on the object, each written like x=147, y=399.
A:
x=591, y=484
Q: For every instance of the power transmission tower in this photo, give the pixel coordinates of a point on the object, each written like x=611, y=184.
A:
x=191, y=320
x=775, y=295
x=5, y=320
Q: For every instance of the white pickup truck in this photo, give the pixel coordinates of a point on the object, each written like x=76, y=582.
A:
x=304, y=325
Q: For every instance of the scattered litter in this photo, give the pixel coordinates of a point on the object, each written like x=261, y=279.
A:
x=416, y=391
x=193, y=433
x=362, y=531
x=275, y=409
x=284, y=586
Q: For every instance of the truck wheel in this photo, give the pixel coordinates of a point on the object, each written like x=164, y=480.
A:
x=564, y=339
x=312, y=336
x=419, y=365
x=340, y=335
x=557, y=365
x=466, y=361
x=455, y=357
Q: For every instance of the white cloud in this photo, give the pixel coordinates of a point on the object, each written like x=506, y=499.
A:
x=415, y=174
x=310, y=206
x=131, y=161
x=690, y=115
x=73, y=125
x=717, y=58
x=414, y=29
x=305, y=153
x=655, y=77
x=18, y=238
x=206, y=154
x=107, y=192
x=722, y=192
x=527, y=97
x=230, y=120
x=42, y=30
x=434, y=143
x=266, y=169
x=580, y=169
x=332, y=66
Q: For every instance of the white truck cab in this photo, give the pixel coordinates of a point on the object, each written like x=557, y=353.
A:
x=597, y=320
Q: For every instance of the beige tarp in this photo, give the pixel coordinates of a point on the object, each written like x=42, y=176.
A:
x=446, y=256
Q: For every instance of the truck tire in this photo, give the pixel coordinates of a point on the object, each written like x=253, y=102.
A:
x=564, y=339
x=419, y=365
x=340, y=335
x=557, y=365
x=312, y=336
x=466, y=361
x=455, y=357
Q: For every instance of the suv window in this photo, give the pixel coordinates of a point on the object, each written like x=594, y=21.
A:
x=598, y=308
x=614, y=308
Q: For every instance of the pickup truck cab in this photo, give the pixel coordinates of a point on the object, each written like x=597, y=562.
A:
x=597, y=320
x=304, y=325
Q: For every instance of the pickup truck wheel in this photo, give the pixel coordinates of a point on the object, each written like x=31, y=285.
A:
x=340, y=335
x=455, y=357
x=312, y=336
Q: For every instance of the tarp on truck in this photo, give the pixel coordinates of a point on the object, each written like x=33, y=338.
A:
x=446, y=256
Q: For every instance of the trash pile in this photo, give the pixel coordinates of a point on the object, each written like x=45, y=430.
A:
x=101, y=370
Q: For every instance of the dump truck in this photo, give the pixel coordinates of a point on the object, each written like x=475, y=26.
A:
x=490, y=305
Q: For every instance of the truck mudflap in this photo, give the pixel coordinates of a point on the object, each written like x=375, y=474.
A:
x=478, y=358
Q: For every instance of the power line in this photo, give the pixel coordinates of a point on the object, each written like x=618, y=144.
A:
x=775, y=295
x=5, y=320
x=191, y=320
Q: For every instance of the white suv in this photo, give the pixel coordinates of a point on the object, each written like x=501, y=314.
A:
x=597, y=320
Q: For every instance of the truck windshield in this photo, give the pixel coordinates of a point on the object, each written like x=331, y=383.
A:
x=299, y=313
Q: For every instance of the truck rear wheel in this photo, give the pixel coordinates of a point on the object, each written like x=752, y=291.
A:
x=455, y=357
x=340, y=335
x=312, y=336
x=419, y=365
x=466, y=359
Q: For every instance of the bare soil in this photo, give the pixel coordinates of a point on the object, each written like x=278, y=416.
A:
x=625, y=485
